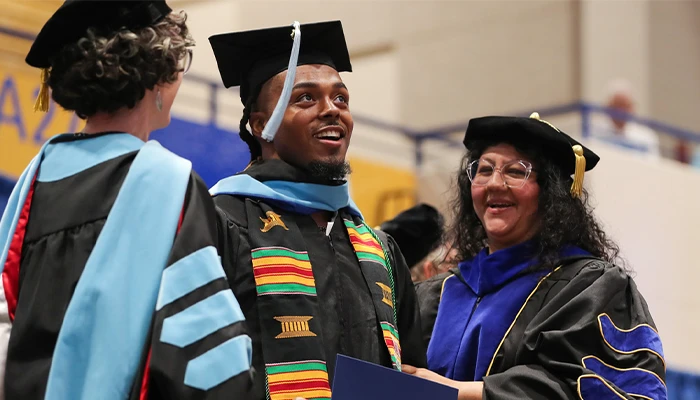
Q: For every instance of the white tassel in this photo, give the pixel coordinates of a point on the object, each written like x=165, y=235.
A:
x=276, y=119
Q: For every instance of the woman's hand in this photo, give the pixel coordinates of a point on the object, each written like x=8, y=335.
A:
x=429, y=375
x=467, y=390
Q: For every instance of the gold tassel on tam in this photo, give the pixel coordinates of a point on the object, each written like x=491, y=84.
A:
x=577, y=186
x=42, y=101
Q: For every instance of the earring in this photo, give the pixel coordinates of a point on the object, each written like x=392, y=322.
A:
x=159, y=101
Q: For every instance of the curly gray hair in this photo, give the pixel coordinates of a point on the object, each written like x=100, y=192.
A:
x=109, y=70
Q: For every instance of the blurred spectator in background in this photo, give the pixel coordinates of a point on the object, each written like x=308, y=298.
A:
x=620, y=131
x=684, y=152
x=417, y=232
x=695, y=160
x=437, y=262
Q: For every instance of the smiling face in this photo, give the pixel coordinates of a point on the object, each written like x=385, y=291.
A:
x=317, y=123
x=509, y=215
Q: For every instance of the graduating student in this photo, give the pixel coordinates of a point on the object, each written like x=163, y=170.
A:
x=313, y=279
x=112, y=287
x=537, y=309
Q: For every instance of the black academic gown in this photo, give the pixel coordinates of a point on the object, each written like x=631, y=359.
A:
x=346, y=310
x=584, y=333
x=64, y=223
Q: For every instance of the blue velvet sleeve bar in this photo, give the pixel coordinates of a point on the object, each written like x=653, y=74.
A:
x=200, y=346
x=586, y=334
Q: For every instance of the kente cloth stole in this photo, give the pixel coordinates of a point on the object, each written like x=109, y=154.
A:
x=292, y=342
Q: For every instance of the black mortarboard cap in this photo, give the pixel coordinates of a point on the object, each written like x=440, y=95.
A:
x=249, y=59
x=568, y=154
x=71, y=21
x=417, y=232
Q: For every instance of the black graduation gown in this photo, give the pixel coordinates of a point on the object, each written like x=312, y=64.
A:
x=65, y=220
x=583, y=333
x=346, y=310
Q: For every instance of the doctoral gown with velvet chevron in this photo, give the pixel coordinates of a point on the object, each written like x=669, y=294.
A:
x=64, y=222
x=582, y=331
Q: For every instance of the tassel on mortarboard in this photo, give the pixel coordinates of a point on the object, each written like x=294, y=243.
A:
x=580, y=169
x=577, y=186
x=42, y=100
x=275, y=120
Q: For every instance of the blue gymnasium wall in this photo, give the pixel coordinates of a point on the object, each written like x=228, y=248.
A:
x=6, y=186
x=215, y=153
x=682, y=385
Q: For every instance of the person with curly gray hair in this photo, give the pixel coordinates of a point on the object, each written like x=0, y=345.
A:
x=112, y=283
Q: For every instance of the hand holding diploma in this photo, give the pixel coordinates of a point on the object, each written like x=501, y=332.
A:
x=356, y=379
x=467, y=390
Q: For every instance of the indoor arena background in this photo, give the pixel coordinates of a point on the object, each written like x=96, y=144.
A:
x=422, y=69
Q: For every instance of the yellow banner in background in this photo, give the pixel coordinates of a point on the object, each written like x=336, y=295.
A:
x=23, y=131
x=381, y=191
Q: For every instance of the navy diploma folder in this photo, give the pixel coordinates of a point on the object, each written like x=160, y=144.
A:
x=360, y=380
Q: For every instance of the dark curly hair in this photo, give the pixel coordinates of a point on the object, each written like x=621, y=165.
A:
x=564, y=219
x=107, y=70
x=245, y=134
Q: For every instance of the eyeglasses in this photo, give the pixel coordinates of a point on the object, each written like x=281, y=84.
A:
x=514, y=174
x=186, y=61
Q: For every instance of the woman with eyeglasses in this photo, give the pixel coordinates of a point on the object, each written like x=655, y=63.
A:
x=537, y=309
x=112, y=287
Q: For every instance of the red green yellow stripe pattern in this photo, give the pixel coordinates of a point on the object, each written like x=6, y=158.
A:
x=307, y=379
x=279, y=270
x=391, y=338
x=366, y=246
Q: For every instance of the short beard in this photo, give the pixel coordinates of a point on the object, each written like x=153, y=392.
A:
x=330, y=171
